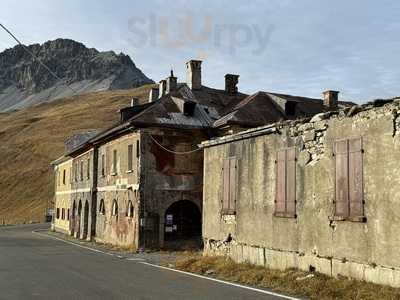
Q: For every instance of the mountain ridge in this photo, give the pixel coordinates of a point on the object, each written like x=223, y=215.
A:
x=24, y=82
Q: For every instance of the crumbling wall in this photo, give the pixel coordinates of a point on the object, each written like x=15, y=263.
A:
x=314, y=240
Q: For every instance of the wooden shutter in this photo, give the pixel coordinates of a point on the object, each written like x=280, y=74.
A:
x=226, y=185
x=341, y=178
x=280, y=206
x=356, y=178
x=291, y=182
x=232, y=184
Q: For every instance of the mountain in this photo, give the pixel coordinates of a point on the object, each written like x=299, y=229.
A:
x=24, y=82
x=33, y=137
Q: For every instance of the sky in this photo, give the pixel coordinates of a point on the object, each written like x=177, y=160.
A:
x=288, y=46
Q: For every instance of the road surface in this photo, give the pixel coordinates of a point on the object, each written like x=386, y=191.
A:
x=39, y=267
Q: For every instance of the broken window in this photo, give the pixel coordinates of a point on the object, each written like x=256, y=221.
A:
x=229, y=189
x=102, y=209
x=137, y=148
x=285, y=200
x=349, y=200
x=64, y=176
x=129, y=211
x=114, y=162
x=103, y=165
x=88, y=169
x=81, y=170
x=130, y=157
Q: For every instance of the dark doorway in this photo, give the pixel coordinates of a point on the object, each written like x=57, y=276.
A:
x=86, y=220
x=72, y=219
x=182, y=221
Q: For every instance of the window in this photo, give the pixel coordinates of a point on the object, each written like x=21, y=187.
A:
x=63, y=213
x=130, y=157
x=229, y=188
x=129, y=210
x=81, y=170
x=137, y=148
x=115, y=208
x=76, y=172
x=349, y=200
x=88, y=169
x=285, y=200
x=103, y=161
x=64, y=176
x=115, y=162
x=102, y=209
x=58, y=213
x=68, y=214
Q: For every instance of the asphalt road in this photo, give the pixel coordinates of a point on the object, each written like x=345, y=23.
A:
x=39, y=267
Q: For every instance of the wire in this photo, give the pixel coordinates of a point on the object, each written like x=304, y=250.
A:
x=35, y=57
x=174, y=152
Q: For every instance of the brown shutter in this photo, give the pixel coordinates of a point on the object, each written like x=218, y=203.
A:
x=356, y=177
x=342, y=179
x=225, y=200
x=232, y=184
x=291, y=181
x=280, y=206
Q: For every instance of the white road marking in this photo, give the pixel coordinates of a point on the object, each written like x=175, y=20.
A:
x=142, y=261
x=224, y=282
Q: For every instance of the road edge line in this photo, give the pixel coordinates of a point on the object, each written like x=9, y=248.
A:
x=223, y=281
x=75, y=244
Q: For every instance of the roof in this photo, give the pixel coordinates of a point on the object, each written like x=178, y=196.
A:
x=264, y=108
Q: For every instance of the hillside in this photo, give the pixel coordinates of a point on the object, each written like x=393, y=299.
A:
x=24, y=82
x=33, y=137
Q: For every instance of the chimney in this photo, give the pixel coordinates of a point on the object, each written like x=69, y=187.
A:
x=331, y=99
x=231, y=82
x=193, y=74
x=172, y=83
x=162, y=88
x=153, y=95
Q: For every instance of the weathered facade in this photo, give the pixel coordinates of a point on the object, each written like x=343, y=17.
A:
x=139, y=184
x=62, y=197
x=319, y=194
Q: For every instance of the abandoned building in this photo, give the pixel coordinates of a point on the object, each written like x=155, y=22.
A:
x=139, y=184
x=315, y=194
x=62, y=194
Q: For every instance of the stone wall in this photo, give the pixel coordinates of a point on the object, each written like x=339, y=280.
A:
x=314, y=239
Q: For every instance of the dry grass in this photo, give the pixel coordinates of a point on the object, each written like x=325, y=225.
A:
x=292, y=282
x=31, y=138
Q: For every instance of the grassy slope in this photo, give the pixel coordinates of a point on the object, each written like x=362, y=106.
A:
x=31, y=138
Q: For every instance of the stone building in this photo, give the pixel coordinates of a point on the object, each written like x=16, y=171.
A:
x=139, y=184
x=62, y=198
x=315, y=194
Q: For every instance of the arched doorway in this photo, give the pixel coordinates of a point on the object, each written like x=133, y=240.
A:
x=85, y=220
x=182, y=221
x=78, y=220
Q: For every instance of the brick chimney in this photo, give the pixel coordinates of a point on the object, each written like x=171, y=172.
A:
x=172, y=83
x=231, y=82
x=153, y=95
x=331, y=99
x=162, y=86
x=193, y=74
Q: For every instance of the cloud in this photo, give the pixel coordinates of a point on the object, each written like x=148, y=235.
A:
x=297, y=47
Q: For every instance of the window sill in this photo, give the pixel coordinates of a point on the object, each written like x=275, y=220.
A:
x=285, y=215
x=228, y=213
x=357, y=219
